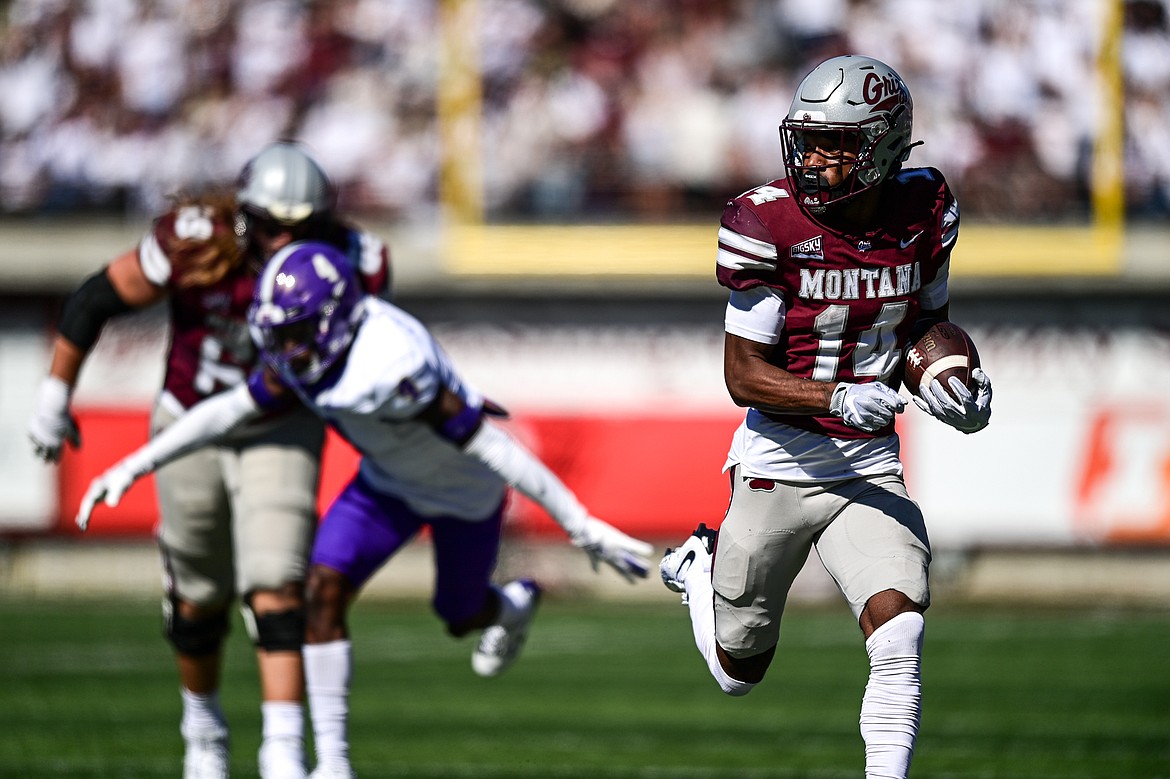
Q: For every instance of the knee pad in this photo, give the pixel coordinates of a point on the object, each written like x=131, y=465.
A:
x=194, y=637
x=276, y=631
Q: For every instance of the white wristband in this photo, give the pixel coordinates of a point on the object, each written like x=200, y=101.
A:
x=54, y=393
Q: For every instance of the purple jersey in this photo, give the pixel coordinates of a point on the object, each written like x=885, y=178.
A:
x=210, y=347
x=850, y=300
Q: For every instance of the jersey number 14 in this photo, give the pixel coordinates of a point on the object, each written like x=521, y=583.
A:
x=876, y=354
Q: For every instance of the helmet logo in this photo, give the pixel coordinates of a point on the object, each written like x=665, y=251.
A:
x=878, y=89
x=325, y=269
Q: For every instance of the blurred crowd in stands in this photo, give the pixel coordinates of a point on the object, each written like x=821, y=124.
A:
x=591, y=109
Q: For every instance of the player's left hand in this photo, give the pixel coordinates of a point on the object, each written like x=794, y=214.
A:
x=109, y=487
x=604, y=543
x=963, y=410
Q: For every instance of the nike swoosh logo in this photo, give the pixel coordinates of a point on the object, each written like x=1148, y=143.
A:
x=686, y=561
x=911, y=239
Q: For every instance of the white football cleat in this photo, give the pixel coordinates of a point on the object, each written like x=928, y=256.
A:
x=334, y=769
x=500, y=646
x=282, y=757
x=207, y=757
x=677, y=562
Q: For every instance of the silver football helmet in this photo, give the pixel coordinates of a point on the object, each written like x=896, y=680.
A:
x=285, y=185
x=864, y=106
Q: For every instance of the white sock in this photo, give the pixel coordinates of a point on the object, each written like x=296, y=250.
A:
x=202, y=714
x=283, y=718
x=699, y=592
x=327, y=672
x=515, y=602
x=892, y=703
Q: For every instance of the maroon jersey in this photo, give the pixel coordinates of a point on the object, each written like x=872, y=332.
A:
x=850, y=300
x=210, y=348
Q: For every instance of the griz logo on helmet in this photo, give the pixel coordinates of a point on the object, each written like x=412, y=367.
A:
x=884, y=93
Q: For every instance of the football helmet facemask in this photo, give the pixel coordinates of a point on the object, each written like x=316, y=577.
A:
x=849, y=103
x=305, y=310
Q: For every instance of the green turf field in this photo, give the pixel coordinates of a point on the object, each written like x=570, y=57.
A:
x=611, y=690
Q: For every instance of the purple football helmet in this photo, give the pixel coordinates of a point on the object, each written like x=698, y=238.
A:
x=305, y=310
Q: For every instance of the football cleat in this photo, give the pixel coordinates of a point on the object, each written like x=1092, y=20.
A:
x=335, y=769
x=282, y=757
x=207, y=757
x=500, y=646
x=677, y=562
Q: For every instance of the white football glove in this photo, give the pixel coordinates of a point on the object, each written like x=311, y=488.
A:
x=604, y=543
x=110, y=487
x=51, y=424
x=962, y=411
x=868, y=407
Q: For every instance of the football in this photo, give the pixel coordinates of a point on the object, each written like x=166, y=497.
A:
x=943, y=351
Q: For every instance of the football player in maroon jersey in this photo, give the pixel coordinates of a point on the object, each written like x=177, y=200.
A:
x=829, y=270
x=237, y=519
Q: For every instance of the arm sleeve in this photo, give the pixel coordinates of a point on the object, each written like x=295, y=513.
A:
x=493, y=446
x=201, y=425
x=88, y=309
x=756, y=314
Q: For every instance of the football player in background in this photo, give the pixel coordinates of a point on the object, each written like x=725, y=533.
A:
x=237, y=518
x=829, y=271
x=430, y=457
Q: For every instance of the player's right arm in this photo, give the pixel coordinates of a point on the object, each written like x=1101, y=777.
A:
x=753, y=381
x=204, y=423
x=119, y=287
x=755, y=319
x=747, y=264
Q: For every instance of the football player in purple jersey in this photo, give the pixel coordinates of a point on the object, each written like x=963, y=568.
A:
x=237, y=520
x=830, y=270
x=431, y=457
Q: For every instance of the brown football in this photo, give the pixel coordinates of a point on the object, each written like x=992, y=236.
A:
x=945, y=350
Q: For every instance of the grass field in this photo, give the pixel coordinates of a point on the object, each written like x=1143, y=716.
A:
x=87, y=689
